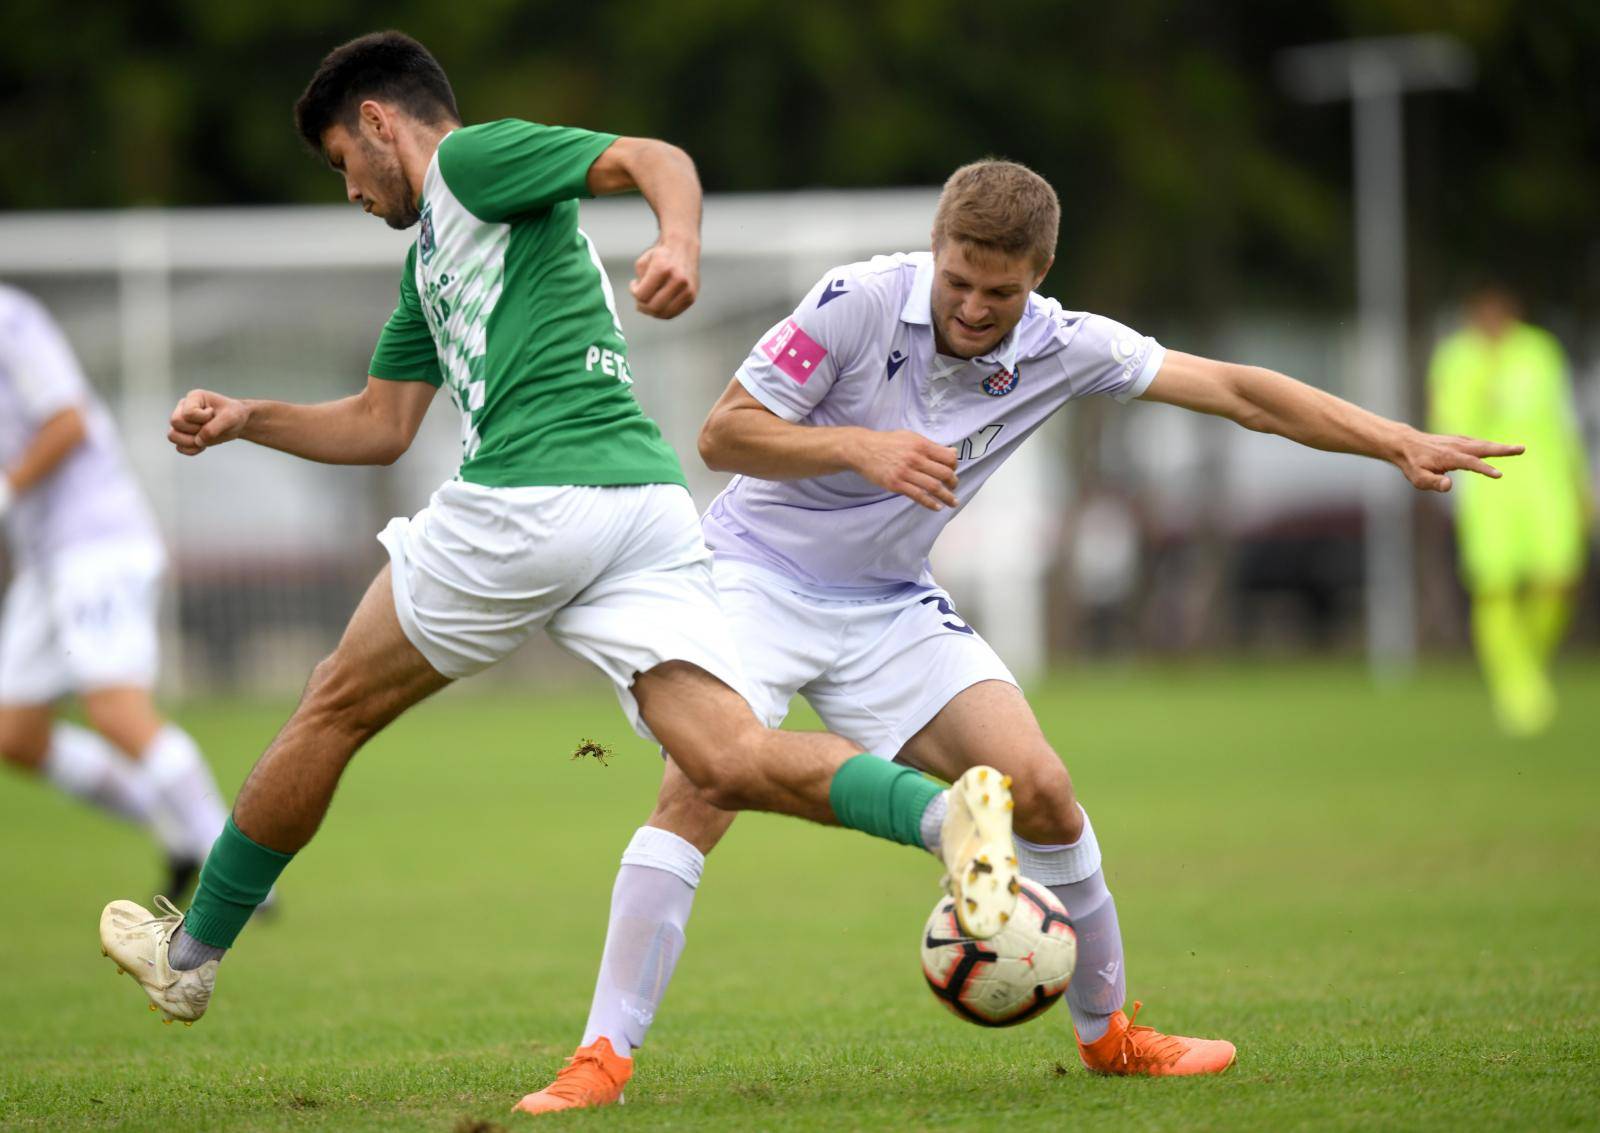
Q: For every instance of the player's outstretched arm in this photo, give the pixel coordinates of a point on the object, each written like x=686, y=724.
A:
x=52, y=443
x=742, y=435
x=1270, y=402
x=667, y=276
x=375, y=426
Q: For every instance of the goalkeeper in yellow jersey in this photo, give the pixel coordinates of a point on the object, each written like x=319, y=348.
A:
x=1523, y=543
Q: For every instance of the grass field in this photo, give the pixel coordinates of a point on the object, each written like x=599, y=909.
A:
x=1392, y=912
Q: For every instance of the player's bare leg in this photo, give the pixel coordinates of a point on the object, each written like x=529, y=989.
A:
x=189, y=811
x=654, y=891
x=992, y=721
x=373, y=676
x=82, y=764
x=126, y=717
x=714, y=737
x=74, y=760
x=740, y=764
x=25, y=735
x=683, y=809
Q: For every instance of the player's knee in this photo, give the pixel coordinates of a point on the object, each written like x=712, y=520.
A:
x=726, y=785
x=1047, y=810
x=725, y=778
x=22, y=746
x=723, y=761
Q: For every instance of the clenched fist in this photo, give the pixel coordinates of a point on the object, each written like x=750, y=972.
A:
x=666, y=279
x=203, y=419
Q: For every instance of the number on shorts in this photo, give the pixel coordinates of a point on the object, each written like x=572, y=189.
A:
x=948, y=611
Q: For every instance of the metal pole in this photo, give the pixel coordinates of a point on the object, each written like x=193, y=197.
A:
x=1381, y=274
x=1375, y=74
x=144, y=302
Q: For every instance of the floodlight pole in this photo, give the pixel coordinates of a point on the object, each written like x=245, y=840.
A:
x=1375, y=75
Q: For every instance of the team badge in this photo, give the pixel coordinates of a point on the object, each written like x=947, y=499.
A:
x=426, y=244
x=1002, y=382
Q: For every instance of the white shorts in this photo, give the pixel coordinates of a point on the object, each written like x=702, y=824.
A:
x=618, y=576
x=875, y=671
x=85, y=620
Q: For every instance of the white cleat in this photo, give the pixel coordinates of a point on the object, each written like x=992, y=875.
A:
x=975, y=842
x=137, y=940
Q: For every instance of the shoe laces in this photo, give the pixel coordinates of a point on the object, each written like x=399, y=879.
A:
x=569, y=1083
x=168, y=911
x=171, y=917
x=1146, y=1044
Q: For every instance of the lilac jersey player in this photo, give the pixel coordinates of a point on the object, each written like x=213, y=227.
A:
x=79, y=613
x=854, y=424
x=860, y=351
x=90, y=496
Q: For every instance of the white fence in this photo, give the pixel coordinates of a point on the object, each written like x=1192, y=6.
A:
x=271, y=552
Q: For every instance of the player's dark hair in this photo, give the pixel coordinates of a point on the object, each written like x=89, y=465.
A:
x=999, y=206
x=388, y=66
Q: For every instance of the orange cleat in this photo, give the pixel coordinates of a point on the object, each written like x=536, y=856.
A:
x=1128, y=1050
x=593, y=1076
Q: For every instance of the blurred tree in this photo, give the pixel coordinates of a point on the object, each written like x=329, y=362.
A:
x=1189, y=181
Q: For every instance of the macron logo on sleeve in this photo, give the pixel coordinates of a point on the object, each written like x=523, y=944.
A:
x=794, y=352
x=832, y=292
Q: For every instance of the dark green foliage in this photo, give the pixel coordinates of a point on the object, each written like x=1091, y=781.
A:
x=1190, y=181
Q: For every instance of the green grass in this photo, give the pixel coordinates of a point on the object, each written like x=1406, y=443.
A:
x=1392, y=911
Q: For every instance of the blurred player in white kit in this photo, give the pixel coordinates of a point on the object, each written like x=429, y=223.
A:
x=80, y=614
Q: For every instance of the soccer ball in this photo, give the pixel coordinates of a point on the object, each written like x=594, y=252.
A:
x=1015, y=974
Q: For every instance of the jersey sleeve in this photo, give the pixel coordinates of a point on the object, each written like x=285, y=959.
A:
x=1105, y=357
x=505, y=169
x=405, y=350
x=794, y=365
x=45, y=372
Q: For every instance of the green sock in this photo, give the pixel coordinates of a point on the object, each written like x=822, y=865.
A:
x=237, y=877
x=881, y=798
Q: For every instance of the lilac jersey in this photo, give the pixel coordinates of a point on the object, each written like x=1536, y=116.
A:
x=90, y=495
x=860, y=351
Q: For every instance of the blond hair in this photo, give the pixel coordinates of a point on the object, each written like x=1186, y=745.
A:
x=999, y=206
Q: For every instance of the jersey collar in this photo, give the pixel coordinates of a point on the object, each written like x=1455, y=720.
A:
x=919, y=304
x=918, y=309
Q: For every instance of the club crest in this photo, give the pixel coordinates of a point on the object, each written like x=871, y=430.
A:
x=1002, y=382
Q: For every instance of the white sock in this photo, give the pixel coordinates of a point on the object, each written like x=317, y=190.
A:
x=185, y=791
x=1073, y=874
x=88, y=768
x=650, y=906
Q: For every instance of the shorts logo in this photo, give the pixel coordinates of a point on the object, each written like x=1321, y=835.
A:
x=426, y=244
x=794, y=352
x=1002, y=382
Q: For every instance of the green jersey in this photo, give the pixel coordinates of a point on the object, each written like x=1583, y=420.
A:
x=504, y=303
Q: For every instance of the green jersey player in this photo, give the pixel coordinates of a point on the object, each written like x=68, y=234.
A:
x=568, y=514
